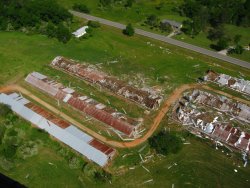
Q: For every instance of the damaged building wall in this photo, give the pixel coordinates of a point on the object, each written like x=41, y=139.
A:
x=146, y=97
x=200, y=121
x=116, y=120
x=221, y=103
x=237, y=84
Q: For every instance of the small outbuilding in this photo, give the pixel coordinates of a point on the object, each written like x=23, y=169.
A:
x=80, y=32
x=175, y=25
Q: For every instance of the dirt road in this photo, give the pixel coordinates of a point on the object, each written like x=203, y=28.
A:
x=164, y=109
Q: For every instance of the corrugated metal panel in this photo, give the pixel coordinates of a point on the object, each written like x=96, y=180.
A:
x=38, y=75
x=71, y=136
x=81, y=135
x=87, y=106
x=41, y=85
x=13, y=95
x=24, y=101
x=68, y=96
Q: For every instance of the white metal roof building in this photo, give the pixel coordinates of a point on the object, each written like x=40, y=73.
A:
x=70, y=136
x=80, y=32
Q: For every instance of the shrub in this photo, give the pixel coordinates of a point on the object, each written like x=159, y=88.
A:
x=63, y=34
x=28, y=149
x=81, y=8
x=102, y=176
x=129, y=30
x=165, y=143
x=4, y=110
x=94, y=24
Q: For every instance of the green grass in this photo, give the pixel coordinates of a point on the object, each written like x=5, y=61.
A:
x=230, y=30
x=136, y=15
x=140, y=10
x=198, y=163
x=46, y=168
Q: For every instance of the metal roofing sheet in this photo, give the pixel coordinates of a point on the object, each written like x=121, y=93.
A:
x=68, y=96
x=13, y=95
x=38, y=75
x=72, y=137
x=79, y=134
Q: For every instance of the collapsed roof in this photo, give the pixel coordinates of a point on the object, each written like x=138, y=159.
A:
x=237, y=84
x=219, y=131
x=235, y=109
x=145, y=97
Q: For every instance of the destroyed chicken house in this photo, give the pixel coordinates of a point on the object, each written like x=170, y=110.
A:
x=200, y=121
x=60, y=129
x=221, y=103
x=145, y=96
x=88, y=106
x=237, y=84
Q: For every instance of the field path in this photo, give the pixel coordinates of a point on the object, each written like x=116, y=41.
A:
x=174, y=96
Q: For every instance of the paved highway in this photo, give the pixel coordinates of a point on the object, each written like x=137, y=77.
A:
x=166, y=39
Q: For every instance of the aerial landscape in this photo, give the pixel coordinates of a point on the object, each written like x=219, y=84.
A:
x=124, y=93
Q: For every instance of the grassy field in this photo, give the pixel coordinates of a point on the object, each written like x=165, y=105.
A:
x=198, y=164
x=36, y=160
x=230, y=30
x=141, y=9
x=136, y=14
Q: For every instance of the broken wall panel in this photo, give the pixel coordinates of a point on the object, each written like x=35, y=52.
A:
x=122, y=123
x=221, y=103
x=145, y=97
x=208, y=124
x=236, y=84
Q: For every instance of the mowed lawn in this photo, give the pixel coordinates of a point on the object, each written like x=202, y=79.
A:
x=140, y=10
x=198, y=165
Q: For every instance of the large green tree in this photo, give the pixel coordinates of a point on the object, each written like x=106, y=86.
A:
x=165, y=143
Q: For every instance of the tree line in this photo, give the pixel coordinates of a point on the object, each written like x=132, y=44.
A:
x=42, y=16
x=211, y=15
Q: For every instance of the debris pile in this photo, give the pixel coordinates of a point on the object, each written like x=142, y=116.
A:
x=237, y=84
x=85, y=104
x=60, y=129
x=205, y=123
x=146, y=97
x=222, y=104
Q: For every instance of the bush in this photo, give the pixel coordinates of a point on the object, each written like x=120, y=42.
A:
x=165, y=27
x=102, y=176
x=165, y=143
x=221, y=44
x=28, y=149
x=129, y=30
x=4, y=110
x=94, y=24
x=51, y=30
x=152, y=20
x=63, y=34
x=74, y=163
x=237, y=50
x=81, y=8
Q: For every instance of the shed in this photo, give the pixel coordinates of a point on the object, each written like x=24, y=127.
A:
x=80, y=32
x=172, y=23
